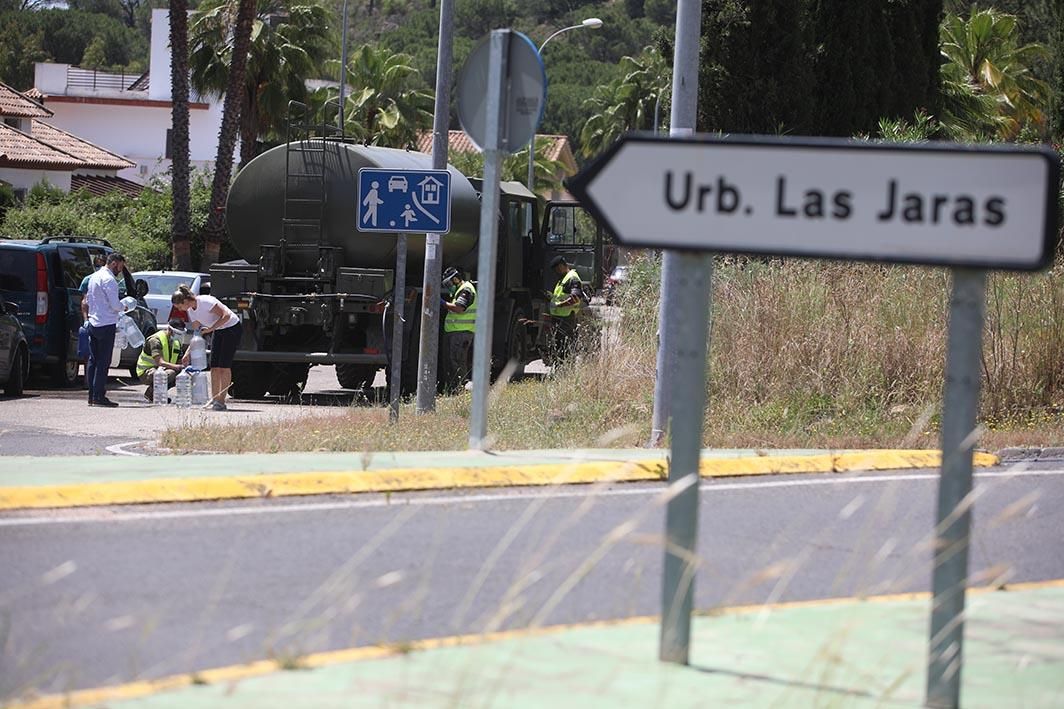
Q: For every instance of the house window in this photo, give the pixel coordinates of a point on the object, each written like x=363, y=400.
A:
x=169, y=154
x=11, y=121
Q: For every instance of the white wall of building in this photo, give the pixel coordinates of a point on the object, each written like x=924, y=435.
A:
x=20, y=179
x=137, y=132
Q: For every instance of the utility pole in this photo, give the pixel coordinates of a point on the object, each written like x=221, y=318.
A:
x=429, y=344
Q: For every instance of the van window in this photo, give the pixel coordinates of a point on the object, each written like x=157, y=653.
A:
x=76, y=264
x=18, y=271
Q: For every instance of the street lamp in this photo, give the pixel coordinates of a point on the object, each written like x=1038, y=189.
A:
x=592, y=23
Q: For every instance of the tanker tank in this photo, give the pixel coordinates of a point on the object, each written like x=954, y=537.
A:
x=255, y=208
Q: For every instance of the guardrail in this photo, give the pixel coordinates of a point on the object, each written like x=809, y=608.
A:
x=93, y=79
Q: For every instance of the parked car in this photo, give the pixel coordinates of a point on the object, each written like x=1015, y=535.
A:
x=613, y=281
x=42, y=278
x=161, y=286
x=14, y=351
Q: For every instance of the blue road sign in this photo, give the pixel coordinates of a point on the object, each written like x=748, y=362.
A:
x=404, y=200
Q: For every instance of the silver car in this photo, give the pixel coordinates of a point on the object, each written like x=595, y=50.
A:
x=162, y=284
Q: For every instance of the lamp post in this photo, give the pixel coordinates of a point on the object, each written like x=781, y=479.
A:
x=592, y=23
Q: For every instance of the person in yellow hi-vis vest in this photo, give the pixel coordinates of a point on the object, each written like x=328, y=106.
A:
x=163, y=349
x=566, y=301
x=458, y=327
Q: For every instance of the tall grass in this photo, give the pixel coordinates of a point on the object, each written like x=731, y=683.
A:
x=802, y=354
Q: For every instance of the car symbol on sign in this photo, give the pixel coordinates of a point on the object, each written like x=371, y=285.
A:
x=397, y=182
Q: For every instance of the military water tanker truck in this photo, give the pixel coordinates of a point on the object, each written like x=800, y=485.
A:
x=316, y=290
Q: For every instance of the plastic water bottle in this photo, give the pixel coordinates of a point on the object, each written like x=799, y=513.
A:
x=183, y=391
x=120, y=344
x=200, y=388
x=159, y=388
x=197, y=352
x=134, y=337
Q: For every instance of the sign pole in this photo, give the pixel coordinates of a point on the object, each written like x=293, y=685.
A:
x=429, y=344
x=693, y=273
x=495, y=139
x=399, y=306
x=680, y=391
x=954, y=517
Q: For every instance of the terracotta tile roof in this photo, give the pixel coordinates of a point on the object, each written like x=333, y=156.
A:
x=459, y=142
x=12, y=103
x=17, y=148
x=98, y=186
x=91, y=155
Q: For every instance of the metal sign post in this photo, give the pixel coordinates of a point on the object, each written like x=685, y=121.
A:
x=501, y=95
x=489, y=231
x=954, y=518
x=967, y=207
x=429, y=345
x=400, y=202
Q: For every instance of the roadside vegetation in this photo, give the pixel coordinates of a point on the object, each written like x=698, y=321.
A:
x=803, y=354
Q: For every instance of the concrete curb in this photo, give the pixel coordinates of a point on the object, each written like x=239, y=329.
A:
x=195, y=489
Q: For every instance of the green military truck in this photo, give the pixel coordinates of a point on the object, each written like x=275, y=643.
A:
x=316, y=290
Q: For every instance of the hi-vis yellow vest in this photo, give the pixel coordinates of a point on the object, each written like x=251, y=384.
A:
x=170, y=353
x=560, y=293
x=462, y=322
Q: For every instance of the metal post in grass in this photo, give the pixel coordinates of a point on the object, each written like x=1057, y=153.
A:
x=685, y=304
x=429, y=344
x=489, y=230
x=954, y=517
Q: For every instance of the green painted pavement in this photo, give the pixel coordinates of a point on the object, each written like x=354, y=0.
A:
x=24, y=471
x=836, y=654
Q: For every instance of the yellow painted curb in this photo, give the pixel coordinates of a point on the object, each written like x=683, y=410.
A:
x=235, y=673
x=412, y=479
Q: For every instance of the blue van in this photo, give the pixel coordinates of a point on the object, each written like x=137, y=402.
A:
x=42, y=278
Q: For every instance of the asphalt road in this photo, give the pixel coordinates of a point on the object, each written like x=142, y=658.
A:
x=101, y=596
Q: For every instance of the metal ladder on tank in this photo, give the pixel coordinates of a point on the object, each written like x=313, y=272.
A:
x=304, y=186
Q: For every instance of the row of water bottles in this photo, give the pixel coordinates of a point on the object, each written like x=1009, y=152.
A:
x=192, y=385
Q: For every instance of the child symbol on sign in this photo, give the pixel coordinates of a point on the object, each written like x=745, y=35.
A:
x=408, y=215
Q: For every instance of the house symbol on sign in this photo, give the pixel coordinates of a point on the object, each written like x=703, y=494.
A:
x=430, y=190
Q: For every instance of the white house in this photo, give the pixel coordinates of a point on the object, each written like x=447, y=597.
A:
x=126, y=114
x=33, y=151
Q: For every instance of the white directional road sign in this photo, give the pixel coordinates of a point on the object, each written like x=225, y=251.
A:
x=932, y=203
x=416, y=201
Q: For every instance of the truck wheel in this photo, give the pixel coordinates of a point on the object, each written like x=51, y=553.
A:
x=355, y=376
x=515, y=349
x=19, y=367
x=250, y=380
x=288, y=380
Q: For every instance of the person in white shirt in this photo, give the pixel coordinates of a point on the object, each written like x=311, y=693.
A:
x=102, y=309
x=208, y=314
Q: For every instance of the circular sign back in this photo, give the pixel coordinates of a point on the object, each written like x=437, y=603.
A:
x=523, y=104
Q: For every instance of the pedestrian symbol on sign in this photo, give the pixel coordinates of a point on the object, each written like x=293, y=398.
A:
x=404, y=200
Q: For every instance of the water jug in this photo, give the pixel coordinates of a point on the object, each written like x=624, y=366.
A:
x=129, y=303
x=120, y=344
x=83, y=342
x=134, y=337
x=197, y=352
x=159, y=388
x=183, y=389
x=200, y=388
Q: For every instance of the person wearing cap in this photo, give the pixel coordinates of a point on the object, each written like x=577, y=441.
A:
x=458, y=327
x=164, y=349
x=565, y=303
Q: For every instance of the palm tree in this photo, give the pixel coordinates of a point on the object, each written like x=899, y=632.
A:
x=289, y=42
x=986, y=69
x=388, y=104
x=627, y=102
x=179, y=171
x=514, y=167
x=236, y=51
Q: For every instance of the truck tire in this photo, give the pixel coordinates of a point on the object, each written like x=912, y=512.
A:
x=250, y=380
x=355, y=376
x=19, y=367
x=516, y=348
x=288, y=380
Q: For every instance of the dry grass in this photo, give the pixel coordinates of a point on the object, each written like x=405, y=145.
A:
x=803, y=354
